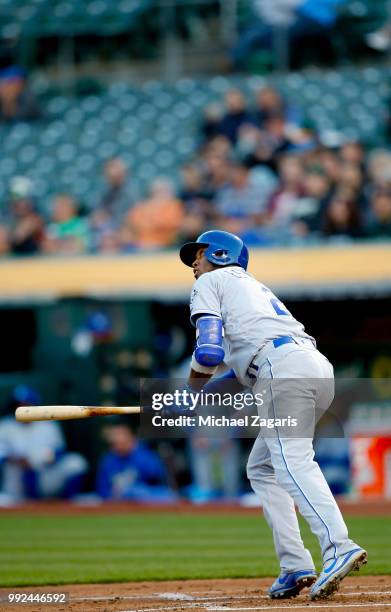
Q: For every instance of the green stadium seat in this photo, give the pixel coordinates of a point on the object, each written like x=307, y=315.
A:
x=45, y=164
x=147, y=172
x=110, y=114
x=183, y=110
x=74, y=117
x=146, y=148
x=64, y=10
x=91, y=104
x=8, y=167
x=220, y=85
x=147, y=112
x=129, y=157
x=85, y=162
x=28, y=154
x=127, y=137
x=81, y=187
x=165, y=159
x=107, y=150
x=57, y=105
x=65, y=152
x=185, y=146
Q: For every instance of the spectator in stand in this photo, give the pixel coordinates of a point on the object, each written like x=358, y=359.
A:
x=300, y=19
x=196, y=203
x=379, y=168
x=269, y=143
x=262, y=147
x=352, y=178
x=17, y=103
x=262, y=154
x=380, y=39
x=192, y=190
x=129, y=470
x=275, y=132
x=379, y=223
x=353, y=153
x=216, y=174
x=312, y=205
x=26, y=226
x=242, y=204
x=283, y=203
x=210, y=128
x=120, y=193
x=220, y=146
x=269, y=104
x=342, y=217
x=4, y=241
x=103, y=232
x=248, y=139
x=258, y=33
x=34, y=461
x=68, y=233
x=330, y=164
x=154, y=223
x=235, y=116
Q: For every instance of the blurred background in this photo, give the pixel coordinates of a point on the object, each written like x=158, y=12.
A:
x=126, y=129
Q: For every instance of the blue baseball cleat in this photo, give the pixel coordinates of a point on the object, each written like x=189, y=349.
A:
x=335, y=570
x=289, y=584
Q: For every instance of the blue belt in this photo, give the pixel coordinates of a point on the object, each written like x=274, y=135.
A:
x=280, y=341
x=283, y=340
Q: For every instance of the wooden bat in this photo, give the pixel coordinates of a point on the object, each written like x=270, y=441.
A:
x=26, y=414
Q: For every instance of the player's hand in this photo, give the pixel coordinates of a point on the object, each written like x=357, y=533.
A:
x=180, y=409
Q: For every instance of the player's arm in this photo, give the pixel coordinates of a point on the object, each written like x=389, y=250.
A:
x=205, y=316
x=208, y=353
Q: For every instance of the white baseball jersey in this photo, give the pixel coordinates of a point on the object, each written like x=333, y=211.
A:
x=252, y=315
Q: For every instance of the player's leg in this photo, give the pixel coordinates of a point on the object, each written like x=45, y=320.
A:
x=297, y=566
x=230, y=459
x=65, y=475
x=201, y=460
x=293, y=457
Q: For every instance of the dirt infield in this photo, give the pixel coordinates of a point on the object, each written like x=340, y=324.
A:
x=368, y=592
x=372, y=507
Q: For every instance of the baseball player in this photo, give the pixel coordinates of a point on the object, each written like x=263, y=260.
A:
x=239, y=321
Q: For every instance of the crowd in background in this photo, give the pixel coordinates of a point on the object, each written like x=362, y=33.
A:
x=259, y=171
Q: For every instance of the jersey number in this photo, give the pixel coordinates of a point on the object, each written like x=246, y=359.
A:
x=279, y=307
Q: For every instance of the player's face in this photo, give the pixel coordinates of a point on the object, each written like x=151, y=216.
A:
x=201, y=264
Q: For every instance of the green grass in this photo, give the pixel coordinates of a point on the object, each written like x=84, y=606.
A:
x=44, y=549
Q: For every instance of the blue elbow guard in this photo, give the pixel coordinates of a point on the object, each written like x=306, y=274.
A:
x=209, y=351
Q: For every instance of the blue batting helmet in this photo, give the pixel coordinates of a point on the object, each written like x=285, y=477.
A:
x=222, y=249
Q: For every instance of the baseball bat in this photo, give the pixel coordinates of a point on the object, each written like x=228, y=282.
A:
x=26, y=414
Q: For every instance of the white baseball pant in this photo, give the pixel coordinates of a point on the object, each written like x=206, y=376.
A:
x=282, y=470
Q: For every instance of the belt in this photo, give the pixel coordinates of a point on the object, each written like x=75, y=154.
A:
x=252, y=370
x=283, y=340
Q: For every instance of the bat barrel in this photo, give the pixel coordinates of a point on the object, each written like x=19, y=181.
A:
x=27, y=414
